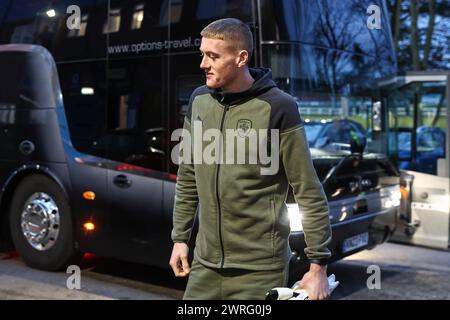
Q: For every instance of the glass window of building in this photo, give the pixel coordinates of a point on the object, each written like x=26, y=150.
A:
x=171, y=12
x=138, y=16
x=45, y=23
x=113, y=23
x=79, y=32
x=224, y=8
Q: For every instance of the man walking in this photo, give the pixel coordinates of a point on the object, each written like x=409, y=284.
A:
x=242, y=247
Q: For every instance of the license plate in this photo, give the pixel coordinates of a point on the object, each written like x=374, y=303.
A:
x=355, y=242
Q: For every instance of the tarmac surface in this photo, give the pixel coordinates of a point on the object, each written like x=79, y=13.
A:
x=405, y=272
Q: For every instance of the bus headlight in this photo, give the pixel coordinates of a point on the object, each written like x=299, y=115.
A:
x=295, y=217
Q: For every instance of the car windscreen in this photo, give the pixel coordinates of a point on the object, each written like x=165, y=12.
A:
x=312, y=131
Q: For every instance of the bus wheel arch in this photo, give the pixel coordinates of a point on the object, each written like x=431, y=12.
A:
x=39, y=201
x=10, y=186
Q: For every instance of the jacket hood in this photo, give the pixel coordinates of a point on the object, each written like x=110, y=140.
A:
x=263, y=82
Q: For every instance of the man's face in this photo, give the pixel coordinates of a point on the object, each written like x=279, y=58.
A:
x=219, y=62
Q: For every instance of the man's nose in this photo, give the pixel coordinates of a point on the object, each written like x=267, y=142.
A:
x=203, y=64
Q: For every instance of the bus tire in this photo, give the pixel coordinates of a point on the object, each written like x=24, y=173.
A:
x=41, y=224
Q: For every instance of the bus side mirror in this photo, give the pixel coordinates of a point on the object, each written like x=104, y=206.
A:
x=376, y=116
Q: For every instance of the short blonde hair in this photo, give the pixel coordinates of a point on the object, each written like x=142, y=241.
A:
x=234, y=31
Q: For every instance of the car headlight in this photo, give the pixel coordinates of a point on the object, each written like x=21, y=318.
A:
x=295, y=217
x=393, y=198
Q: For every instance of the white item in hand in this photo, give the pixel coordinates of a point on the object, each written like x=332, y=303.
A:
x=301, y=294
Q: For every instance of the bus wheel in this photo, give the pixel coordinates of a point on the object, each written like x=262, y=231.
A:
x=41, y=224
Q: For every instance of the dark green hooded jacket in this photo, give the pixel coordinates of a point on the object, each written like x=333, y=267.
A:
x=243, y=218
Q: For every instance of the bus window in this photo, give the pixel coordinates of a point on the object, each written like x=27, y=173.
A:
x=327, y=23
x=418, y=126
x=171, y=12
x=207, y=9
x=139, y=31
x=84, y=90
x=185, y=85
x=3, y=6
x=80, y=32
x=21, y=21
x=138, y=16
x=112, y=24
x=327, y=84
x=154, y=17
x=45, y=23
x=135, y=129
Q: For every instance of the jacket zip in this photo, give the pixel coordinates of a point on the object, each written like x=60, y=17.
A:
x=222, y=257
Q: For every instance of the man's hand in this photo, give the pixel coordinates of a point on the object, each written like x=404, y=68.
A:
x=315, y=282
x=179, y=260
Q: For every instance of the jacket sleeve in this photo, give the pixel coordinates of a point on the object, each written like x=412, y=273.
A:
x=308, y=191
x=186, y=197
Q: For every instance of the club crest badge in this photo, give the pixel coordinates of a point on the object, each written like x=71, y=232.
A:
x=243, y=127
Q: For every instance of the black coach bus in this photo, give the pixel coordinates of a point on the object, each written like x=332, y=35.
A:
x=85, y=146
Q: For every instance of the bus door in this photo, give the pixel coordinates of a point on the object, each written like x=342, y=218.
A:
x=136, y=148
x=418, y=142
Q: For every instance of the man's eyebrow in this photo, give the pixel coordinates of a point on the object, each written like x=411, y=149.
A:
x=209, y=52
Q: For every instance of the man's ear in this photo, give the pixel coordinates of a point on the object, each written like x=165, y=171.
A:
x=242, y=58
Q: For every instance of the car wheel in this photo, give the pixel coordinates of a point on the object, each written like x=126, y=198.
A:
x=41, y=224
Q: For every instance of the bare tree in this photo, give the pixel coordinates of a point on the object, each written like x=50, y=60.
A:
x=414, y=11
x=420, y=45
x=430, y=29
x=396, y=9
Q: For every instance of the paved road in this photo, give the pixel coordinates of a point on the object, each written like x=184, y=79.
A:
x=101, y=279
x=406, y=273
